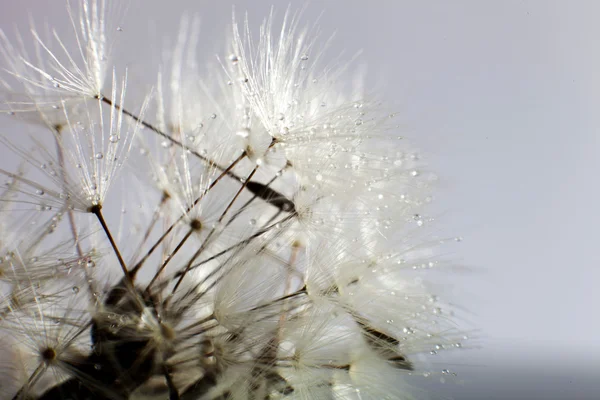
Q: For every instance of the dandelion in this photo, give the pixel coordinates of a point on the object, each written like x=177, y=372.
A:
x=256, y=231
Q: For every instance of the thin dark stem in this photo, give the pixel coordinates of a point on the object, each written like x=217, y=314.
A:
x=199, y=295
x=97, y=211
x=189, y=208
x=169, y=258
x=206, y=241
x=173, y=393
x=155, y=216
x=162, y=134
x=242, y=242
x=299, y=292
x=269, y=195
x=33, y=378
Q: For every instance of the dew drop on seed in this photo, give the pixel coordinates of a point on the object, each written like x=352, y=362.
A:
x=319, y=177
x=304, y=57
x=75, y=289
x=252, y=221
x=418, y=219
x=40, y=192
x=113, y=138
x=213, y=116
x=119, y=29
x=280, y=116
x=243, y=133
x=90, y=264
x=99, y=156
x=414, y=172
x=234, y=59
x=97, y=367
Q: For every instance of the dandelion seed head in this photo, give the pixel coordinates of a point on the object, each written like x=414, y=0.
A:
x=250, y=228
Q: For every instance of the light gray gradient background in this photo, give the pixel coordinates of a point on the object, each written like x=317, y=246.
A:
x=502, y=98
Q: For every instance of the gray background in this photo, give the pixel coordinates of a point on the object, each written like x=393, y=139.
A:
x=502, y=98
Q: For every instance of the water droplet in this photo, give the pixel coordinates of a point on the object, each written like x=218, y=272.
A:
x=252, y=221
x=119, y=29
x=166, y=144
x=304, y=57
x=414, y=172
x=418, y=219
x=40, y=192
x=99, y=156
x=97, y=367
x=280, y=116
x=319, y=177
x=113, y=138
x=90, y=264
x=213, y=116
x=234, y=59
x=75, y=289
x=243, y=133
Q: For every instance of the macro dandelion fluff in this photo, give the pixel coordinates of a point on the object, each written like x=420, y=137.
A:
x=272, y=237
